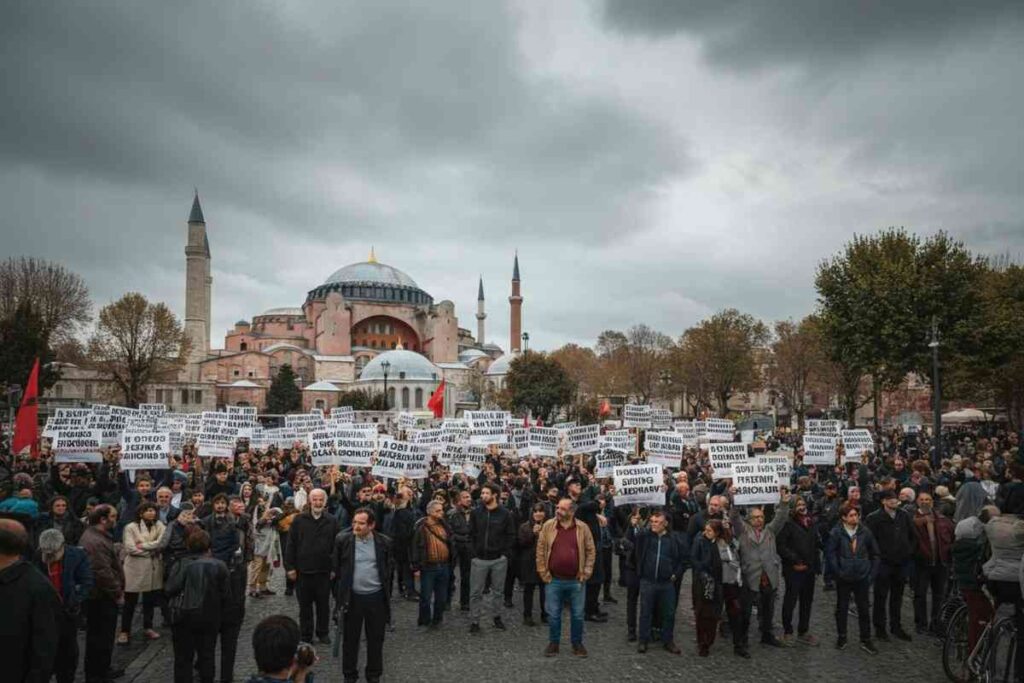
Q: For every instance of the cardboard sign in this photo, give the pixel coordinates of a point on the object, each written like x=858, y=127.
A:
x=688, y=430
x=661, y=419
x=343, y=413
x=756, y=483
x=354, y=447
x=664, y=448
x=823, y=427
x=719, y=429
x=583, y=439
x=783, y=467
x=607, y=459
x=304, y=424
x=544, y=442
x=620, y=438
x=152, y=409
x=724, y=455
x=519, y=439
x=563, y=427
x=77, y=445
x=475, y=458
x=487, y=426
x=639, y=485
x=59, y=423
x=216, y=438
x=406, y=421
x=819, y=450
x=397, y=459
x=145, y=451
x=321, y=448
x=247, y=412
x=636, y=416
x=453, y=456
x=855, y=443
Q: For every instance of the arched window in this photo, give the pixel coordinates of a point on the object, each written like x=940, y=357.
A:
x=319, y=403
x=405, y=397
x=419, y=398
x=243, y=347
x=391, y=397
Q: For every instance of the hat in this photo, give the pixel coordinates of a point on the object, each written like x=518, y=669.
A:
x=50, y=541
x=886, y=495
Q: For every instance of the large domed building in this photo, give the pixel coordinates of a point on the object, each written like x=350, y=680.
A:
x=362, y=318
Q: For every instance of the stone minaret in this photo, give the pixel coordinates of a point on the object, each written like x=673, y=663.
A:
x=516, y=305
x=480, y=314
x=198, y=288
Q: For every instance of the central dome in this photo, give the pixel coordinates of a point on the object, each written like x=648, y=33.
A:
x=371, y=273
x=373, y=281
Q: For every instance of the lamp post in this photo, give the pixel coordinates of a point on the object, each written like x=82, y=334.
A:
x=385, y=366
x=526, y=342
x=936, y=395
x=665, y=377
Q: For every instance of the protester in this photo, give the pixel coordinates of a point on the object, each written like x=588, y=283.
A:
x=893, y=530
x=759, y=561
x=565, y=562
x=67, y=567
x=797, y=545
x=529, y=534
x=143, y=571
x=431, y=553
x=853, y=558
x=459, y=522
x=492, y=535
x=106, y=596
x=660, y=558
x=1005, y=535
x=931, y=563
x=275, y=645
x=307, y=560
x=968, y=555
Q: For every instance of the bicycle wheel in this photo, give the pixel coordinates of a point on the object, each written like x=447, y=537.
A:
x=950, y=607
x=1002, y=649
x=954, y=648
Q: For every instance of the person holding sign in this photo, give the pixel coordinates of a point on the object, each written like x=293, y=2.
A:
x=565, y=560
x=761, y=568
x=660, y=559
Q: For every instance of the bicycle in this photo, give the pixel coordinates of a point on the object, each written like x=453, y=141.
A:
x=991, y=660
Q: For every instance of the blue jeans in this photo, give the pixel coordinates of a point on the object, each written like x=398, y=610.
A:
x=433, y=584
x=558, y=591
x=662, y=594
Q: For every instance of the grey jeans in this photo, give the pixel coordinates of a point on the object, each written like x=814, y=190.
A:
x=478, y=573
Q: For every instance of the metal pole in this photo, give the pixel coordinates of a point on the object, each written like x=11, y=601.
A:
x=936, y=396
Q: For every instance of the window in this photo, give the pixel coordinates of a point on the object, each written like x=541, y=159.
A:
x=251, y=374
x=393, y=345
x=88, y=392
x=184, y=397
x=197, y=396
x=391, y=397
x=236, y=372
x=159, y=396
x=419, y=398
x=319, y=403
x=243, y=347
x=405, y=396
x=401, y=375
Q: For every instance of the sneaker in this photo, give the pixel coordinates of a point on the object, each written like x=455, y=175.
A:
x=463, y=608
x=901, y=634
x=499, y=624
x=474, y=629
x=741, y=652
x=551, y=650
x=868, y=647
x=596, y=618
x=770, y=640
x=579, y=650
x=610, y=599
x=671, y=646
x=641, y=647
x=324, y=640
x=267, y=591
x=631, y=637
x=703, y=651
x=150, y=634
x=808, y=640
x=543, y=618
x=787, y=640
x=841, y=643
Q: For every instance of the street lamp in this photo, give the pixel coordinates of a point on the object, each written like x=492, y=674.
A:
x=385, y=366
x=936, y=394
x=665, y=377
x=526, y=341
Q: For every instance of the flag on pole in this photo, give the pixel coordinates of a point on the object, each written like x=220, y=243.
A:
x=26, y=425
x=606, y=409
x=436, y=402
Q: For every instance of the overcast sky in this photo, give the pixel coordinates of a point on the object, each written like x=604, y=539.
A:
x=652, y=160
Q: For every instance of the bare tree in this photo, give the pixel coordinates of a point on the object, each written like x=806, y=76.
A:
x=137, y=343
x=725, y=349
x=798, y=355
x=645, y=357
x=58, y=296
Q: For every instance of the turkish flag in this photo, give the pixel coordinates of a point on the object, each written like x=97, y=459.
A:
x=436, y=402
x=26, y=425
x=606, y=409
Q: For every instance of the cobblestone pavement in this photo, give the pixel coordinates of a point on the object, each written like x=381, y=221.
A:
x=413, y=654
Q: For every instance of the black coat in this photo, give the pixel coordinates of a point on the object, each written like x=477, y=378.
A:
x=344, y=562
x=311, y=543
x=527, y=542
x=459, y=524
x=895, y=536
x=797, y=544
x=28, y=629
x=492, y=532
x=203, y=576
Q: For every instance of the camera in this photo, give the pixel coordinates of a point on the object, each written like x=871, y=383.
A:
x=305, y=655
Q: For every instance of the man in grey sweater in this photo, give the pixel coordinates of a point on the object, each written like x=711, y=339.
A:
x=761, y=567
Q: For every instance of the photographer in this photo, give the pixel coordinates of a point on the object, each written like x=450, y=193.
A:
x=280, y=656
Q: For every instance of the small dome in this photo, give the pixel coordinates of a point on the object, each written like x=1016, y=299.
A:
x=414, y=365
x=371, y=273
x=500, y=366
x=322, y=385
x=285, y=310
x=242, y=323
x=470, y=355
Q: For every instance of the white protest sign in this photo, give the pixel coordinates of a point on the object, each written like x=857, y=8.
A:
x=406, y=421
x=453, y=455
x=819, y=450
x=519, y=437
x=756, y=483
x=248, y=412
x=607, y=459
x=152, y=409
x=305, y=423
x=724, y=455
x=59, y=423
x=664, y=448
x=855, y=443
x=584, y=438
x=216, y=438
x=354, y=447
x=661, y=419
x=145, y=451
x=175, y=441
x=719, y=429
x=823, y=427
x=783, y=467
x=543, y=442
x=688, y=430
x=343, y=413
x=636, y=416
x=397, y=459
x=487, y=426
x=639, y=485
x=321, y=448
x=77, y=445
x=563, y=427
x=620, y=438
x=475, y=457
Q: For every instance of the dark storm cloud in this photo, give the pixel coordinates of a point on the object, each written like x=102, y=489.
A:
x=750, y=34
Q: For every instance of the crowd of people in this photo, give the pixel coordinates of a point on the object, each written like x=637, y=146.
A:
x=86, y=545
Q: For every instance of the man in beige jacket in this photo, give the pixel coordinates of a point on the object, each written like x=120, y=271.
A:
x=565, y=560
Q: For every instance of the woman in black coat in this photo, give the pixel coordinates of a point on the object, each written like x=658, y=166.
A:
x=527, y=539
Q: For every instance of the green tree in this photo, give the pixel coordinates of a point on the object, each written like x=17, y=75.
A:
x=284, y=396
x=137, y=342
x=797, y=358
x=363, y=399
x=538, y=384
x=22, y=340
x=59, y=297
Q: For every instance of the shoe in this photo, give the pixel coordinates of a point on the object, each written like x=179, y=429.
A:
x=671, y=646
x=881, y=635
x=434, y=626
x=921, y=630
x=254, y=594
x=508, y=603
x=703, y=651
x=770, y=640
x=412, y=597
x=596, y=618
x=474, y=629
x=641, y=647
x=150, y=634
x=499, y=624
x=841, y=643
x=122, y=638
x=787, y=640
x=115, y=673
x=551, y=650
x=324, y=640
x=463, y=608
x=611, y=600
x=267, y=591
x=868, y=647
x=808, y=640
x=528, y=621
x=631, y=637
x=544, y=618
x=741, y=652
x=902, y=635
x=579, y=650
x=601, y=613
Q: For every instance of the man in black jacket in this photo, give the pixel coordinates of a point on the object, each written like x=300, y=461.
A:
x=797, y=545
x=492, y=535
x=362, y=563
x=893, y=530
x=458, y=521
x=307, y=560
x=660, y=558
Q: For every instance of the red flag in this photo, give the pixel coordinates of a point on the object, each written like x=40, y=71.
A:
x=540, y=422
x=26, y=425
x=436, y=402
x=526, y=421
x=606, y=409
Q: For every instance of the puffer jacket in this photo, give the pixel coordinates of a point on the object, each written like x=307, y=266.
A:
x=1005, y=536
x=849, y=561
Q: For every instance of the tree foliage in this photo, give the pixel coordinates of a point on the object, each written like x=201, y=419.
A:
x=538, y=384
x=59, y=297
x=137, y=342
x=363, y=399
x=22, y=341
x=284, y=395
x=797, y=359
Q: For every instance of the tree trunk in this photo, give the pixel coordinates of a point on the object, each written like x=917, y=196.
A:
x=876, y=399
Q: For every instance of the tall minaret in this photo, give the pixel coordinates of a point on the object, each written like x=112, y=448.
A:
x=480, y=314
x=516, y=305
x=198, y=288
